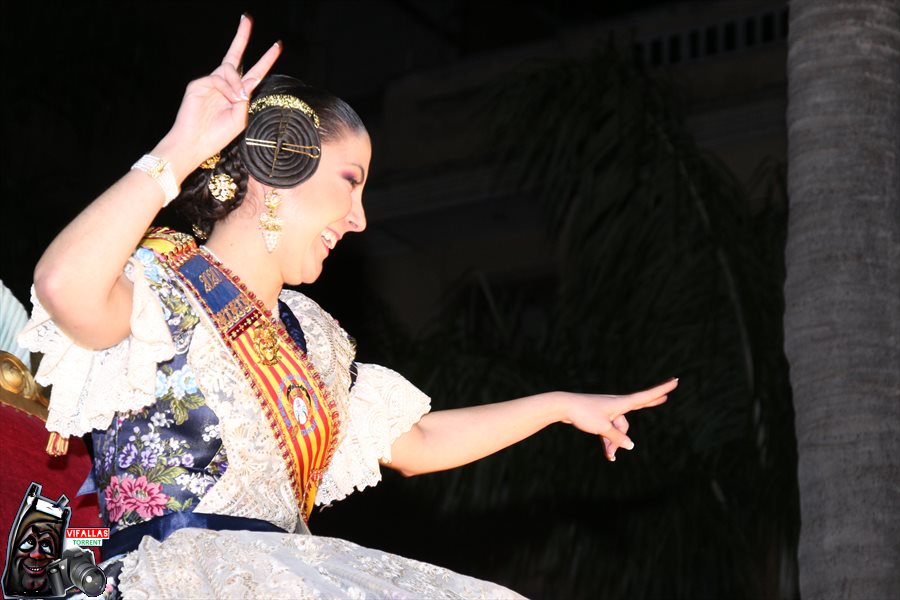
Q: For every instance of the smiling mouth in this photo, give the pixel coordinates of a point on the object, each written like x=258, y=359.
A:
x=34, y=570
x=329, y=238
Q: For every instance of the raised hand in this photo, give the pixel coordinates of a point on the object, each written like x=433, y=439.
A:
x=79, y=278
x=214, y=108
x=605, y=415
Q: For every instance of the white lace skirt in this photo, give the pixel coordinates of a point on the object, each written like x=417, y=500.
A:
x=200, y=563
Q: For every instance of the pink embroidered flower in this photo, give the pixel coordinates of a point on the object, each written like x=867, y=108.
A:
x=115, y=502
x=143, y=497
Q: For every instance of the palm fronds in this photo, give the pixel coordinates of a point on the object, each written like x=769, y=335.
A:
x=662, y=271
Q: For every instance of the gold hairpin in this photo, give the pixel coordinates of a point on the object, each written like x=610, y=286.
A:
x=284, y=101
x=310, y=151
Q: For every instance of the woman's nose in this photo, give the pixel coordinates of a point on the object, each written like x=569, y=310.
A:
x=357, y=217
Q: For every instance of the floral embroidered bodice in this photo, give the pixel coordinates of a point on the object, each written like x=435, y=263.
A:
x=165, y=457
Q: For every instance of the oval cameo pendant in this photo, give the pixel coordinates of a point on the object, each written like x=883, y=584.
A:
x=300, y=402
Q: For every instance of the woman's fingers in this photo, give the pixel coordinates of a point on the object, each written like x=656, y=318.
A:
x=651, y=397
x=614, y=409
x=231, y=76
x=610, y=449
x=618, y=439
x=224, y=88
x=654, y=402
x=239, y=43
x=656, y=391
x=262, y=66
x=242, y=86
x=620, y=425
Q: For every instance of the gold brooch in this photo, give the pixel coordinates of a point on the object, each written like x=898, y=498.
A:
x=266, y=343
x=222, y=187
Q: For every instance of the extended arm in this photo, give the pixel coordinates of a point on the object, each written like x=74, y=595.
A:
x=450, y=438
x=79, y=278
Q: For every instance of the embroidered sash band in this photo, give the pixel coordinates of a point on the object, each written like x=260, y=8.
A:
x=298, y=408
x=159, y=528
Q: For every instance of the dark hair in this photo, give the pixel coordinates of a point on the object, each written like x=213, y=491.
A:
x=240, y=161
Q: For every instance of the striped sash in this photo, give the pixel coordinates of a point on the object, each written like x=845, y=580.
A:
x=298, y=408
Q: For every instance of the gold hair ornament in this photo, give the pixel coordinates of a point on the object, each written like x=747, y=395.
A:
x=222, y=187
x=270, y=222
x=211, y=162
x=198, y=233
x=284, y=101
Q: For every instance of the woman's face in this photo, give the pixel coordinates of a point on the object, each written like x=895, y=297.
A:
x=321, y=210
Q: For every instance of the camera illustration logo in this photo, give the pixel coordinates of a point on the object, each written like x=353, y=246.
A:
x=40, y=562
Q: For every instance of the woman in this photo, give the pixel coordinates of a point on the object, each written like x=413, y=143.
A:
x=221, y=407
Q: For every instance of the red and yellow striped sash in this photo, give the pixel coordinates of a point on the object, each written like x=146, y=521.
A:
x=297, y=405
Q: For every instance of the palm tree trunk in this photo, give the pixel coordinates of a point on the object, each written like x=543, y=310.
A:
x=842, y=293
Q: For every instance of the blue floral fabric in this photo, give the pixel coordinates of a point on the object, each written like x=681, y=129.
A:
x=164, y=458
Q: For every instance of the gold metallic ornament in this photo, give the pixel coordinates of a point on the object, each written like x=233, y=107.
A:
x=266, y=343
x=284, y=101
x=198, y=233
x=222, y=187
x=270, y=222
x=211, y=162
x=310, y=151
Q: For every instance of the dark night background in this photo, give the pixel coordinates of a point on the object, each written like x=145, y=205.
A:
x=99, y=81
x=461, y=247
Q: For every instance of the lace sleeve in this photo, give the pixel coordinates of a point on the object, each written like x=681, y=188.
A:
x=383, y=405
x=90, y=386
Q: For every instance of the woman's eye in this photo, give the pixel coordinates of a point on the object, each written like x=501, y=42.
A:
x=46, y=548
x=353, y=180
x=27, y=545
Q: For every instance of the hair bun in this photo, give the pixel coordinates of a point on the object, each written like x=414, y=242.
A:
x=281, y=146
